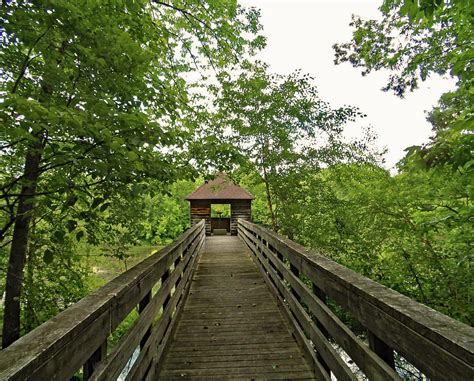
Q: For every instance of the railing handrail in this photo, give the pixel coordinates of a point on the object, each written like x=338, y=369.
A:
x=63, y=344
x=437, y=345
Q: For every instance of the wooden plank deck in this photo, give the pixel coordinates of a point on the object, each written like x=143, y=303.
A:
x=231, y=326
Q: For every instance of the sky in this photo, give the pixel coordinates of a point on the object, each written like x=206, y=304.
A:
x=300, y=35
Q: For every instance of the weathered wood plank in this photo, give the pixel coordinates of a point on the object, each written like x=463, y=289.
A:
x=367, y=360
x=235, y=363
x=295, y=375
x=266, y=369
x=439, y=346
x=245, y=332
x=59, y=347
x=236, y=357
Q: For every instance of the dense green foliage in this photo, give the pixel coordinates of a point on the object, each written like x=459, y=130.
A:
x=421, y=219
x=414, y=40
x=281, y=125
x=96, y=99
x=107, y=121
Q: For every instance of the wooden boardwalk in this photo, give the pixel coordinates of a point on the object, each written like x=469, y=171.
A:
x=231, y=326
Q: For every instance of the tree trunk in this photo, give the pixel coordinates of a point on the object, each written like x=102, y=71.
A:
x=29, y=318
x=16, y=264
x=269, y=200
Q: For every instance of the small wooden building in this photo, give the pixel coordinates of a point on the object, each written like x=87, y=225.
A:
x=221, y=190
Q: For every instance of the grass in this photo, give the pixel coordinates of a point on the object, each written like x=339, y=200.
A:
x=105, y=268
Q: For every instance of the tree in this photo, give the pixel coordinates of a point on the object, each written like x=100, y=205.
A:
x=279, y=123
x=426, y=253
x=411, y=232
x=415, y=39
x=453, y=144
x=167, y=213
x=91, y=95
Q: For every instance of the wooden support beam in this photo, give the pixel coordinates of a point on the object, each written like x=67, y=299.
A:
x=141, y=307
x=435, y=344
x=93, y=361
x=381, y=349
x=321, y=296
x=77, y=337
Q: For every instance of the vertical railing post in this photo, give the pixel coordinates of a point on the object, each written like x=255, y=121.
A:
x=179, y=259
x=279, y=257
x=296, y=272
x=164, y=277
x=382, y=350
x=141, y=306
x=94, y=360
x=321, y=295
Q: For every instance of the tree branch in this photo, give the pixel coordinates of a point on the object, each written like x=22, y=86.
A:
x=28, y=60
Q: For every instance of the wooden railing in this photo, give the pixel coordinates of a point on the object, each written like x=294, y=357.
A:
x=77, y=337
x=304, y=281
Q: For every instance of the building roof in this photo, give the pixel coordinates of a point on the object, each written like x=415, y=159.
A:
x=221, y=188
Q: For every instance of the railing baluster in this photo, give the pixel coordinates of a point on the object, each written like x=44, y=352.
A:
x=280, y=258
x=94, y=360
x=141, y=306
x=165, y=276
x=382, y=349
x=295, y=271
x=177, y=261
x=323, y=297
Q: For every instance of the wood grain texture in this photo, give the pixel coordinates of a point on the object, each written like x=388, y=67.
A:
x=59, y=347
x=439, y=346
x=201, y=209
x=367, y=360
x=231, y=326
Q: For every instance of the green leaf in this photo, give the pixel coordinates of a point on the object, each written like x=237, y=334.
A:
x=405, y=8
x=48, y=256
x=71, y=225
x=413, y=11
x=104, y=207
x=97, y=202
x=58, y=236
x=70, y=201
x=79, y=235
x=136, y=189
x=132, y=155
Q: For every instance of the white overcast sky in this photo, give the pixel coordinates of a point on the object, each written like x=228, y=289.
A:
x=300, y=35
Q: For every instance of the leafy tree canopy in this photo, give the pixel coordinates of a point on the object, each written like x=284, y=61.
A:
x=93, y=97
x=279, y=122
x=414, y=39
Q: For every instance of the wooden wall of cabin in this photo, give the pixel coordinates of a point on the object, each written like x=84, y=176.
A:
x=201, y=209
x=239, y=209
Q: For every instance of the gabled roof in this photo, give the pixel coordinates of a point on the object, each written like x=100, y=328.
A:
x=221, y=188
